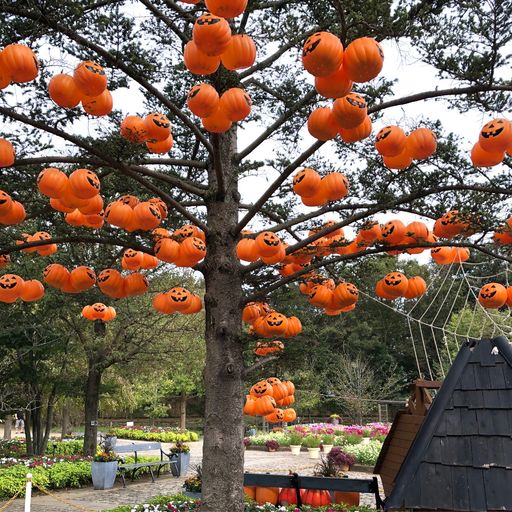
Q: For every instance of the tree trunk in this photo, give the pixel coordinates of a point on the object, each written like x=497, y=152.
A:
x=92, y=399
x=183, y=411
x=223, y=449
x=65, y=420
x=8, y=427
x=28, y=433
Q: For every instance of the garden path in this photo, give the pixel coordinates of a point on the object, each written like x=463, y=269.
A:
x=137, y=492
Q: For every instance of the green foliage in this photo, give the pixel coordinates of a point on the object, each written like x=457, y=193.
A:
x=365, y=453
x=163, y=437
x=73, y=447
x=312, y=441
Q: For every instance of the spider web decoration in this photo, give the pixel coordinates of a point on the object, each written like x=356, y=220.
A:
x=448, y=314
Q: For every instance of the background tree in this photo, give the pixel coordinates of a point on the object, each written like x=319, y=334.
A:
x=466, y=42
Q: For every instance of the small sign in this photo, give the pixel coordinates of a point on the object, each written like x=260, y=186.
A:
x=129, y=423
x=94, y=423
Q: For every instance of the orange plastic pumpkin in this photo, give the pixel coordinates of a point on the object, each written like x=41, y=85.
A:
x=496, y=136
x=350, y=110
x=163, y=304
x=162, y=147
x=218, y=122
x=198, y=62
x=7, y=153
x=15, y=215
x=82, y=278
x=246, y=250
x=203, y=100
x=63, y=91
x=11, y=287
x=32, y=290
x=392, y=231
x=56, y=275
x=235, y=103
x=390, y=141
x=416, y=286
x=267, y=495
x=363, y=59
x=395, y=284
x=399, y=162
x=492, y=295
x=147, y=216
x=240, y=53
x=133, y=129
x=333, y=86
x=100, y=105
x=360, y=132
x=322, y=54
x=158, y=127
x=226, y=8
x=482, y=158
x=90, y=78
x=334, y=186
x=20, y=62
x=306, y=182
x=322, y=124
x=316, y=498
x=267, y=243
x=211, y=34
x=52, y=182
x=421, y=143
x=84, y=184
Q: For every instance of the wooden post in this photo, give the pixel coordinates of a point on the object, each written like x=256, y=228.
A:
x=28, y=493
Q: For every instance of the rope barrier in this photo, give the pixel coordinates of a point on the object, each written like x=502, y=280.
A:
x=62, y=500
x=5, y=505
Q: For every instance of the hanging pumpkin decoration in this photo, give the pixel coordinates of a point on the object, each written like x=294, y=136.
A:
x=496, y=136
x=322, y=54
x=360, y=132
x=390, y=141
x=11, y=287
x=52, y=182
x=322, y=124
x=82, y=278
x=363, y=59
x=306, y=182
x=492, y=296
x=345, y=294
x=334, y=186
x=392, y=231
x=158, y=127
x=421, y=143
x=246, y=250
x=84, y=184
x=416, y=286
x=350, y=110
x=211, y=34
x=198, y=62
x=147, y=216
x=240, y=53
x=90, y=78
x=203, y=100
x=334, y=86
x=262, y=388
x=20, y=63
x=14, y=215
x=267, y=243
x=7, y=153
x=161, y=148
x=218, y=122
x=32, y=290
x=100, y=105
x=399, y=162
x=316, y=498
x=133, y=129
x=395, y=284
x=482, y=158
x=235, y=103
x=63, y=90
x=111, y=282
x=226, y=8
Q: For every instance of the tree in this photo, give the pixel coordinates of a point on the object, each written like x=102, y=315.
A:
x=201, y=183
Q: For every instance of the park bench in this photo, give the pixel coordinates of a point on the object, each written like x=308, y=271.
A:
x=135, y=448
x=294, y=481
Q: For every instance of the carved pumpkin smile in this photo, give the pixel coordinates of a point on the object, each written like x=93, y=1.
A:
x=356, y=101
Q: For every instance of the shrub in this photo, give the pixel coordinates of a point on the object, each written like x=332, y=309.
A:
x=163, y=436
x=366, y=454
x=295, y=438
x=72, y=447
x=272, y=444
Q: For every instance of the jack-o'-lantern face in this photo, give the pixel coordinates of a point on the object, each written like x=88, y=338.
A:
x=208, y=19
x=388, y=229
x=350, y=288
x=179, y=295
x=155, y=211
x=356, y=100
x=159, y=120
x=311, y=44
x=194, y=91
x=161, y=206
x=93, y=180
x=314, y=291
x=265, y=308
x=198, y=244
x=131, y=253
x=299, y=177
x=41, y=235
x=107, y=274
x=47, y=270
x=488, y=291
x=394, y=279
x=494, y=128
x=90, y=273
x=278, y=414
x=271, y=239
x=93, y=67
x=185, y=231
x=4, y=197
x=450, y=217
x=131, y=201
x=261, y=388
x=384, y=133
x=275, y=319
x=9, y=282
x=273, y=381
x=99, y=307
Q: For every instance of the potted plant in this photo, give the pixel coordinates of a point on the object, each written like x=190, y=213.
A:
x=341, y=459
x=247, y=442
x=182, y=452
x=312, y=443
x=327, y=442
x=272, y=445
x=193, y=484
x=252, y=430
x=104, y=466
x=295, y=441
x=334, y=419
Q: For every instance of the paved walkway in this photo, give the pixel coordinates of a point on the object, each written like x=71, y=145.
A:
x=88, y=499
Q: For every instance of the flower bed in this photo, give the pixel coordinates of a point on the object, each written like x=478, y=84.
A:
x=17, y=448
x=365, y=454
x=180, y=503
x=164, y=435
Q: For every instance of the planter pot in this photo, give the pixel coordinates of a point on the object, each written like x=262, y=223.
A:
x=104, y=474
x=327, y=448
x=345, y=468
x=314, y=453
x=183, y=463
x=295, y=448
x=272, y=449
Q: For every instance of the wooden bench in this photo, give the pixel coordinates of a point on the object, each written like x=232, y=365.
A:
x=294, y=481
x=135, y=448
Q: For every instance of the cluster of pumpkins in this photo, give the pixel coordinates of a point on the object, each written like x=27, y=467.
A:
x=218, y=113
x=77, y=195
x=399, y=150
x=100, y=312
x=42, y=250
x=315, y=190
x=495, y=295
x=138, y=260
x=311, y=497
x=87, y=85
x=266, y=246
x=12, y=212
x=494, y=141
x=154, y=130
x=331, y=298
x=77, y=280
x=335, y=69
x=264, y=348
x=177, y=300
x=18, y=64
x=7, y=153
x=267, y=323
x=131, y=214
x=115, y=285
x=184, y=248
x=14, y=287
x=267, y=397
x=395, y=285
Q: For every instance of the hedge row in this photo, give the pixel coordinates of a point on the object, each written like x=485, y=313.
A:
x=162, y=436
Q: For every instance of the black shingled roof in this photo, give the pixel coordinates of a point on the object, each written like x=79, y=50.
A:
x=461, y=459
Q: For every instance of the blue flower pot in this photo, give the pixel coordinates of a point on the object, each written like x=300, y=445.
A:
x=104, y=474
x=183, y=463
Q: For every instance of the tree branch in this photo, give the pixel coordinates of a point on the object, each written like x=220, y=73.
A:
x=262, y=362
x=161, y=16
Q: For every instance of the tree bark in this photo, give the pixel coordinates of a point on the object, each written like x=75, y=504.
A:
x=92, y=399
x=222, y=451
x=65, y=420
x=183, y=411
x=8, y=427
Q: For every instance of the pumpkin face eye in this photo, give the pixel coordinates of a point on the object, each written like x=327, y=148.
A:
x=93, y=180
x=208, y=19
x=311, y=44
x=298, y=177
x=384, y=133
x=389, y=227
x=3, y=197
